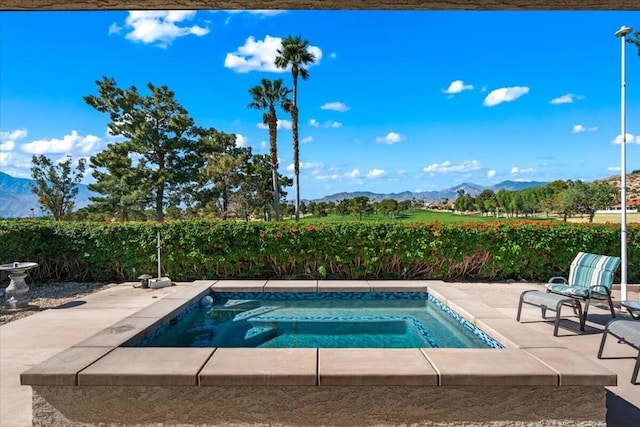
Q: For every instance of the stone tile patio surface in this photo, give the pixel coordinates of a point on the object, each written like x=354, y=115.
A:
x=89, y=330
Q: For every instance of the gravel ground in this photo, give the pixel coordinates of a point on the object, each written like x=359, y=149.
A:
x=44, y=296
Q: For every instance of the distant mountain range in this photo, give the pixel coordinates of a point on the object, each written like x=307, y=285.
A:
x=17, y=200
x=450, y=193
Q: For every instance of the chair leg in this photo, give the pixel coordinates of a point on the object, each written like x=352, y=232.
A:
x=543, y=309
x=520, y=306
x=521, y=302
x=604, y=338
x=586, y=310
x=634, y=375
x=582, y=319
x=613, y=312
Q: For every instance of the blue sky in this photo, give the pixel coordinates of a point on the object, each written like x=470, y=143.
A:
x=398, y=100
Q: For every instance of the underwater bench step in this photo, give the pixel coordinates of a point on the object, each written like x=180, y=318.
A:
x=554, y=302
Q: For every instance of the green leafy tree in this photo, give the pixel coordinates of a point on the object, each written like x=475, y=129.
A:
x=342, y=208
x=490, y=205
x=294, y=52
x=503, y=197
x=56, y=185
x=517, y=203
x=268, y=96
x=464, y=203
x=484, y=196
x=161, y=139
x=549, y=196
x=602, y=194
x=360, y=206
x=256, y=189
x=404, y=205
x=388, y=207
x=287, y=209
x=566, y=204
x=584, y=198
x=227, y=170
x=118, y=181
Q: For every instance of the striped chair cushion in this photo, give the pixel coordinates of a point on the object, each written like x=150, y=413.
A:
x=588, y=270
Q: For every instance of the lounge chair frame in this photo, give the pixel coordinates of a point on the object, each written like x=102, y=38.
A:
x=627, y=331
x=590, y=277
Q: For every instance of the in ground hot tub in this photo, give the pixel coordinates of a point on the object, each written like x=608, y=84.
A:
x=108, y=379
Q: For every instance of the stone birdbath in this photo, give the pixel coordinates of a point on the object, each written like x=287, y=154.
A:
x=15, y=292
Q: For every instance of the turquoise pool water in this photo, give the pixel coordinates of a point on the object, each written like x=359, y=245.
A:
x=321, y=320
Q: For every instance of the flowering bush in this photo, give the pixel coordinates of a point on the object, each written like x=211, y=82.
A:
x=531, y=250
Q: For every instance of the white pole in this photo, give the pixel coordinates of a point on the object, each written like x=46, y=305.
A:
x=159, y=271
x=622, y=32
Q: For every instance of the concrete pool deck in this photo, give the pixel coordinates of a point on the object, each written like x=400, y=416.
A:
x=30, y=341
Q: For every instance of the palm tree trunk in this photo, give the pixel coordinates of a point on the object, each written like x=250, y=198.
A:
x=276, y=196
x=296, y=153
x=296, y=147
x=273, y=136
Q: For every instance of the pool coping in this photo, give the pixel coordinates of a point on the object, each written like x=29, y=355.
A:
x=529, y=358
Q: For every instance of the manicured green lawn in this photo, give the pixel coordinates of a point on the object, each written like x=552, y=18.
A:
x=413, y=215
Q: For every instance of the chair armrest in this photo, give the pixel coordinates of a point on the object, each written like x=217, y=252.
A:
x=557, y=279
x=598, y=289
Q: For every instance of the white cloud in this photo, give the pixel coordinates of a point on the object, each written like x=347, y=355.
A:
x=448, y=167
x=329, y=124
x=491, y=173
x=332, y=55
x=614, y=168
x=335, y=106
x=8, y=139
x=307, y=166
x=260, y=55
x=353, y=174
x=390, y=138
x=581, y=129
x=6, y=158
x=517, y=171
x=160, y=27
x=69, y=144
x=13, y=135
x=307, y=139
x=376, y=173
x=330, y=175
x=282, y=124
x=630, y=139
x=566, y=99
x=504, y=94
x=457, y=86
x=241, y=140
x=7, y=145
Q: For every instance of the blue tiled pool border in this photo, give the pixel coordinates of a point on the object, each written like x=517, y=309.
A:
x=275, y=296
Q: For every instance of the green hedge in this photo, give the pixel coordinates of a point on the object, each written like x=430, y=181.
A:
x=233, y=250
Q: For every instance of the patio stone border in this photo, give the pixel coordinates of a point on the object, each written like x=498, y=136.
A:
x=105, y=368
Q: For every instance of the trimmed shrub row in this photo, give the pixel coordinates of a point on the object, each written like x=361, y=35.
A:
x=531, y=250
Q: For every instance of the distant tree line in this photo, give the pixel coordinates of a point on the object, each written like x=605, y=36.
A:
x=566, y=198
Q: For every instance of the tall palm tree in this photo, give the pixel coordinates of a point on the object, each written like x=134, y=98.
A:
x=294, y=51
x=267, y=97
